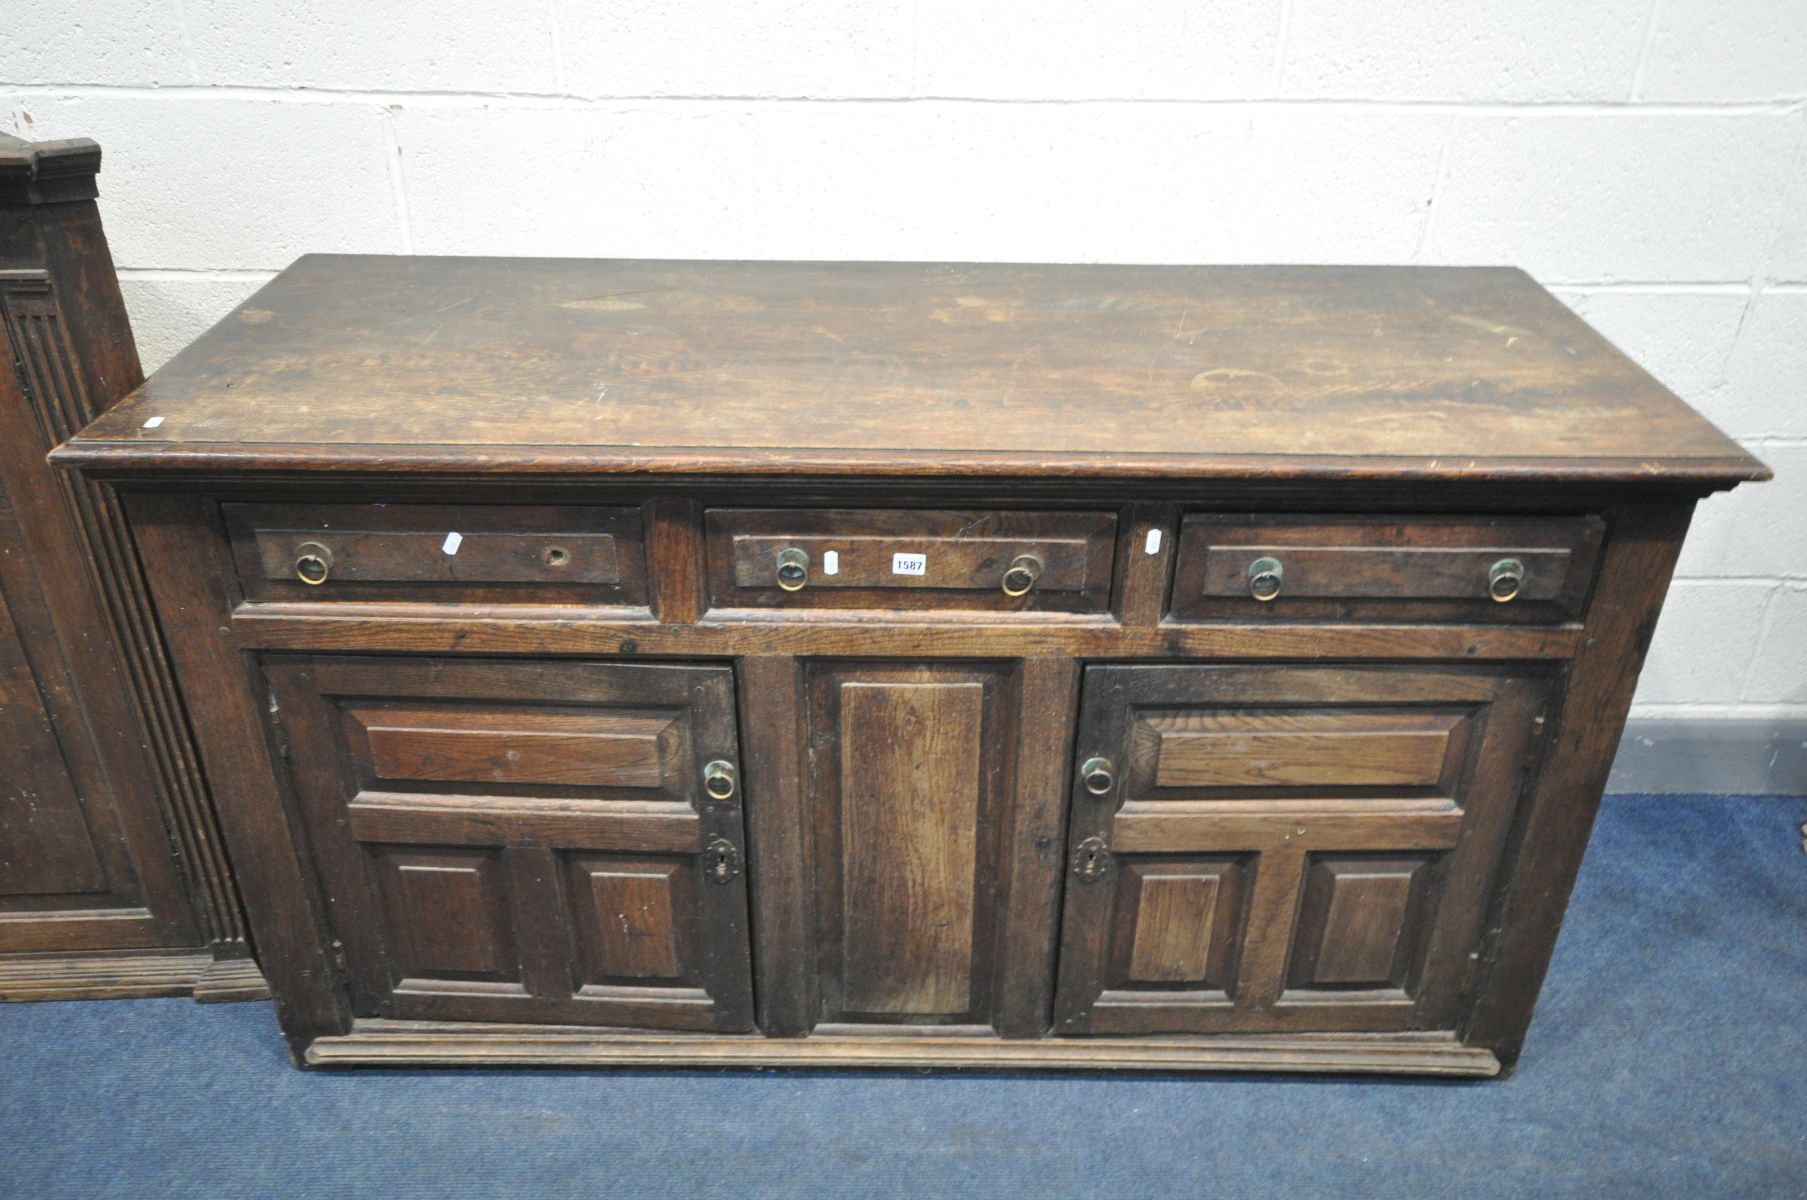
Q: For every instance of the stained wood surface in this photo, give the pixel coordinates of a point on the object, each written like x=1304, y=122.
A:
x=1318, y=896
x=457, y=552
x=486, y=365
x=107, y=838
x=533, y=874
x=910, y=794
x=441, y=1044
x=909, y=776
x=1412, y=567
x=1634, y=577
x=962, y=557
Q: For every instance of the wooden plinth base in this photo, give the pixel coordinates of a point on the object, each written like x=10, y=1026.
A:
x=416, y=1043
x=130, y=976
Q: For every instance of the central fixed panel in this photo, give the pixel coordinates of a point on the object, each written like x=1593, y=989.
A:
x=907, y=783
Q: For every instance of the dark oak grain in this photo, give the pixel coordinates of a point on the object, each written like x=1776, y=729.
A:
x=108, y=841
x=1334, y=831
x=911, y=368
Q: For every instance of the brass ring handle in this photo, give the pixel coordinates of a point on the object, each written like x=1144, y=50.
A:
x=1264, y=578
x=718, y=780
x=1021, y=575
x=793, y=569
x=313, y=563
x=1097, y=775
x=1504, y=579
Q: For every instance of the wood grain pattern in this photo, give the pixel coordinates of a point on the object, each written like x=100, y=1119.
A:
x=1265, y=748
x=593, y=749
x=911, y=767
x=907, y=808
x=1355, y=921
x=1424, y=568
x=1176, y=916
x=782, y=843
x=396, y=1043
x=1634, y=576
x=523, y=888
x=107, y=836
x=227, y=701
x=971, y=367
x=46, y=844
x=1339, y=875
x=631, y=915
x=460, y=552
x=1332, y=833
x=444, y=628
x=447, y=915
x=964, y=557
x=1034, y=845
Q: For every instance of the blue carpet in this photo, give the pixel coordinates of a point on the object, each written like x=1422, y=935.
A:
x=1669, y=1058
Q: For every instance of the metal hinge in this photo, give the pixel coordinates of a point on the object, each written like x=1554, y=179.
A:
x=339, y=959
x=1091, y=859
x=721, y=861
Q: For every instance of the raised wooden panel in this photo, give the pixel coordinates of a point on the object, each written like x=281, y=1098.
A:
x=1262, y=748
x=627, y=917
x=46, y=846
x=902, y=559
x=1352, y=818
x=1359, y=921
x=910, y=766
x=447, y=914
x=523, y=746
x=911, y=782
x=534, y=833
x=414, y=552
x=1179, y=922
x=1406, y=568
x=103, y=835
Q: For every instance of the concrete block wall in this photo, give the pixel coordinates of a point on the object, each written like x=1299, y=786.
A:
x=1646, y=159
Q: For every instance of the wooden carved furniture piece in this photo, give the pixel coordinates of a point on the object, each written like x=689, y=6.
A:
x=888, y=664
x=113, y=879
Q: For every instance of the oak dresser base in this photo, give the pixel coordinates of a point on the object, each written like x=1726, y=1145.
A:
x=1225, y=677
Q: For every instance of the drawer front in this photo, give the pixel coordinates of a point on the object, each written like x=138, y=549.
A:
x=1399, y=569
x=432, y=552
x=900, y=559
x=518, y=841
x=1274, y=848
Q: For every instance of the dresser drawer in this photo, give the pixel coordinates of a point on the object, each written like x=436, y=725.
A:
x=1057, y=562
x=1387, y=569
x=446, y=553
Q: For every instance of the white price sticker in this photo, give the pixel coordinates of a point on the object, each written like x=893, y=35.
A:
x=909, y=564
x=831, y=562
x=453, y=540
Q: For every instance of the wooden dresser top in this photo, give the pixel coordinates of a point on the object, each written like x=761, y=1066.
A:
x=477, y=365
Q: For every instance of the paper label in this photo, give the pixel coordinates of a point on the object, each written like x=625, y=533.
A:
x=1153, y=544
x=831, y=562
x=453, y=540
x=909, y=564
x=153, y=422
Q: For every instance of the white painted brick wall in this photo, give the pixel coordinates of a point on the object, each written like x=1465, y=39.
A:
x=1647, y=159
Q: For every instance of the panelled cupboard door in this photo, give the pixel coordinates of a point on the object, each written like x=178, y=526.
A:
x=1278, y=848
x=84, y=862
x=910, y=767
x=555, y=842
